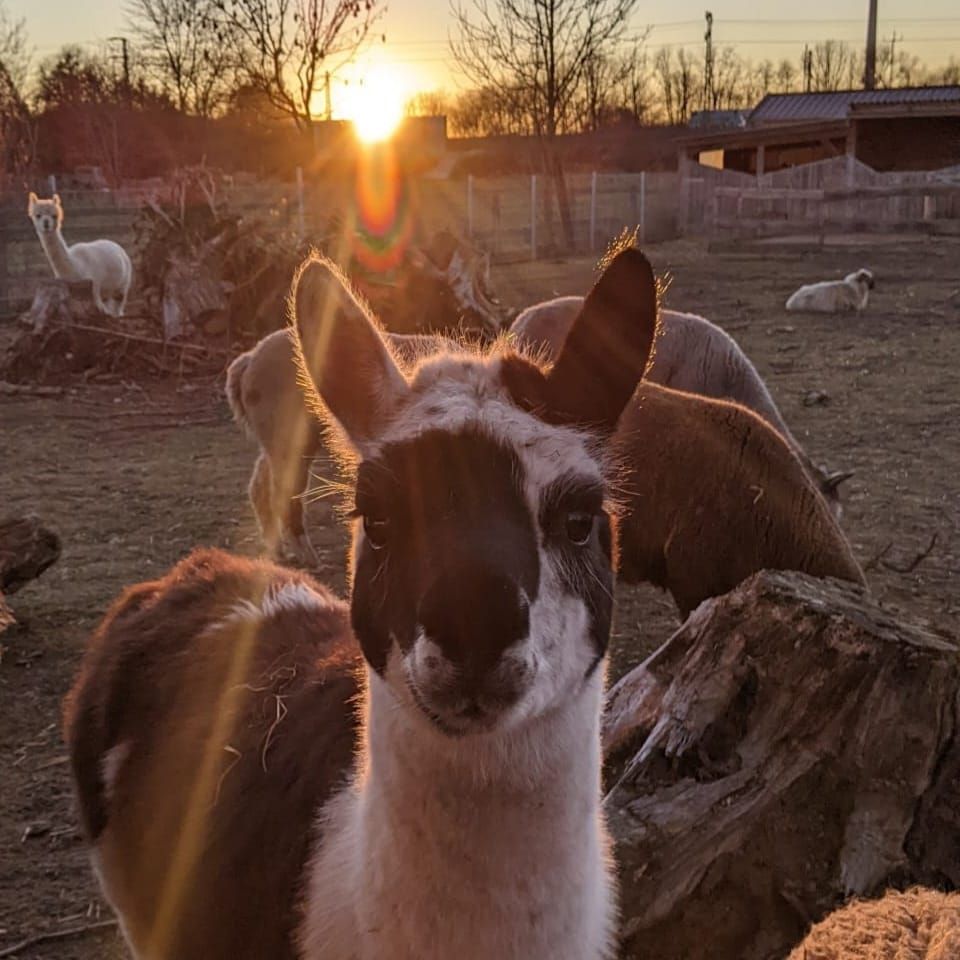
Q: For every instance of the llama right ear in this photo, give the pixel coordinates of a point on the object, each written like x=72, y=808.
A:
x=605, y=353
x=342, y=356
x=56, y=200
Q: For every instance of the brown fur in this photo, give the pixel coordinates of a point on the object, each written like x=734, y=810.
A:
x=713, y=494
x=168, y=651
x=916, y=925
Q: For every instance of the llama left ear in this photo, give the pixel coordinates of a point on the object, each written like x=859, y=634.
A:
x=31, y=202
x=342, y=355
x=605, y=353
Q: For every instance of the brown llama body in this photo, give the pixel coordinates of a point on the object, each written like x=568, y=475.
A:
x=713, y=494
x=207, y=724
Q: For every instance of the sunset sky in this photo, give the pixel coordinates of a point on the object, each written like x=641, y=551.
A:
x=416, y=30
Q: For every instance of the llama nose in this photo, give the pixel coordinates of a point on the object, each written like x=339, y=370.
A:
x=473, y=618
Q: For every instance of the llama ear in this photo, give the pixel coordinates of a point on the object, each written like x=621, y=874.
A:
x=31, y=203
x=56, y=200
x=605, y=353
x=342, y=356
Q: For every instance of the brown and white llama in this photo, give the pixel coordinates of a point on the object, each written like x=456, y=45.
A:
x=249, y=791
x=103, y=262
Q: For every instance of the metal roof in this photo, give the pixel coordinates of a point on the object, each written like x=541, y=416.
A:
x=794, y=107
x=718, y=119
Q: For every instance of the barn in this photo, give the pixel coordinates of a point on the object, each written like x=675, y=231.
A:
x=915, y=128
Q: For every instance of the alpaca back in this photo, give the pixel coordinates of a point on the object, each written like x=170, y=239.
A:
x=104, y=261
x=714, y=495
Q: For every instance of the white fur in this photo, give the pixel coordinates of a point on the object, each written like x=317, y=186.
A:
x=833, y=296
x=292, y=596
x=491, y=844
x=111, y=765
x=103, y=262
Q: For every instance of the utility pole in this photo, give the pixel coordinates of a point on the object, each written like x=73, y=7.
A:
x=708, y=64
x=870, y=70
x=807, y=68
x=893, y=57
x=125, y=53
x=328, y=101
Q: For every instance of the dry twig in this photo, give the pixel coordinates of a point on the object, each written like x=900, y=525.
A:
x=52, y=935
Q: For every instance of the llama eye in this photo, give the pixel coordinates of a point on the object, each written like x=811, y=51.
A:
x=579, y=526
x=377, y=530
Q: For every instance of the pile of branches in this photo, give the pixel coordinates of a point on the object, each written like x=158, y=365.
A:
x=65, y=339
x=206, y=270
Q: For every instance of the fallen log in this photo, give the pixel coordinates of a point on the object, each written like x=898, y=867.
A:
x=790, y=745
x=27, y=548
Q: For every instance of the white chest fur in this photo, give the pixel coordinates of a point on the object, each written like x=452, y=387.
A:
x=467, y=849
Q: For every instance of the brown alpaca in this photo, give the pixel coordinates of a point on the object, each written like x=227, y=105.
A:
x=712, y=493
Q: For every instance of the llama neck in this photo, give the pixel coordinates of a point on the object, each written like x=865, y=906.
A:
x=59, y=255
x=489, y=831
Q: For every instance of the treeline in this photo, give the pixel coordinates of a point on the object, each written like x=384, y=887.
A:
x=668, y=86
x=239, y=82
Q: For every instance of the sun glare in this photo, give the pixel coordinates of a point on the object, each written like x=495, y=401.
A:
x=374, y=102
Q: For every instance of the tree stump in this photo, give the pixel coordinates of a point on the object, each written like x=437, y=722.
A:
x=790, y=745
x=27, y=548
x=59, y=303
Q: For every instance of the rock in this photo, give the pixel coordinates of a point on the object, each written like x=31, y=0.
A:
x=27, y=548
x=815, y=398
x=791, y=744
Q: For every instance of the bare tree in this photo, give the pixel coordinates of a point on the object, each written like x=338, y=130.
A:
x=485, y=112
x=542, y=47
x=635, y=90
x=428, y=103
x=787, y=75
x=833, y=64
x=284, y=47
x=681, y=86
x=184, y=50
x=17, y=130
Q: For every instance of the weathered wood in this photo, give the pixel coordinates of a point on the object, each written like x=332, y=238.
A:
x=790, y=744
x=6, y=618
x=27, y=548
x=58, y=303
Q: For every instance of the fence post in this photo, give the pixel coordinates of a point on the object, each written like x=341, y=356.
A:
x=593, y=211
x=53, y=184
x=495, y=213
x=470, y=205
x=533, y=216
x=643, y=206
x=301, y=228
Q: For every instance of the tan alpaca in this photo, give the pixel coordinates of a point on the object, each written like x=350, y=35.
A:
x=102, y=261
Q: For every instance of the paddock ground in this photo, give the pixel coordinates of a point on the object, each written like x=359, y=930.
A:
x=132, y=477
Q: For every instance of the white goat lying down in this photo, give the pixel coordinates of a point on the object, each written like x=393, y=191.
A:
x=918, y=924
x=691, y=354
x=264, y=773
x=834, y=296
x=103, y=262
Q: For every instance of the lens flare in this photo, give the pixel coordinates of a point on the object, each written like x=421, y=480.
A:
x=384, y=211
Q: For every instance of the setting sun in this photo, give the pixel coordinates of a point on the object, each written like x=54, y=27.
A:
x=374, y=102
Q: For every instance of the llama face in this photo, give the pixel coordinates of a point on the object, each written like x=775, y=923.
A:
x=482, y=566
x=863, y=278
x=47, y=215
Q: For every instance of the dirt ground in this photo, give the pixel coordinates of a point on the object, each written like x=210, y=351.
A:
x=133, y=477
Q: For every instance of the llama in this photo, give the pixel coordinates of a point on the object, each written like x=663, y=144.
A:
x=714, y=494
x=694, y=355
x=833, y=296
x=211, y=731
x=103, y=262
x=269, y=405
x=918, y=924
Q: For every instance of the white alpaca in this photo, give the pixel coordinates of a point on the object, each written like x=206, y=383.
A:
x=104, y=262
x=834, y=296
